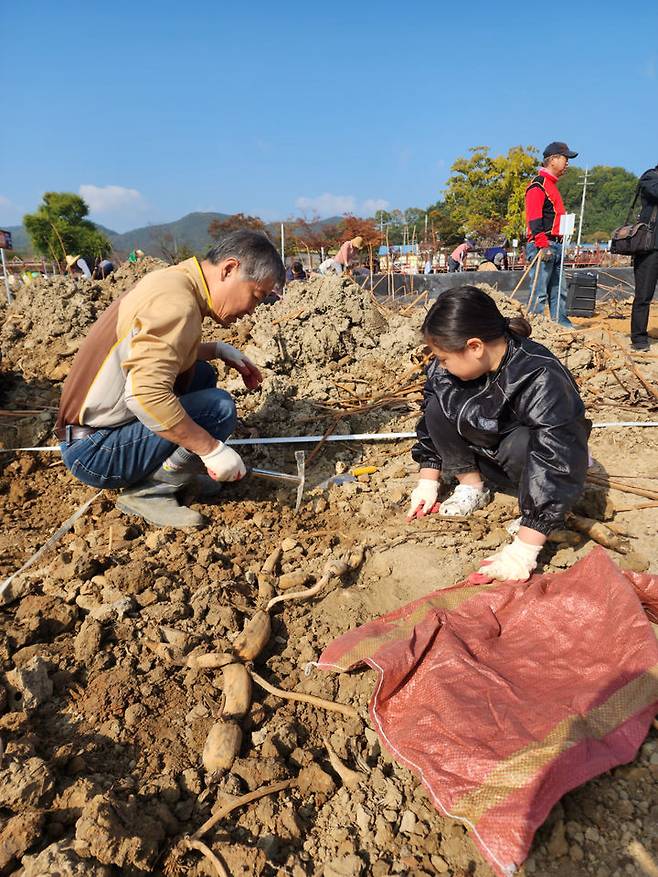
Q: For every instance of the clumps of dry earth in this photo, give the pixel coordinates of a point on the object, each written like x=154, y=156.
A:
x=106, y=705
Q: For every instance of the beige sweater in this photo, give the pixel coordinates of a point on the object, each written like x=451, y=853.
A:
x=137, y=353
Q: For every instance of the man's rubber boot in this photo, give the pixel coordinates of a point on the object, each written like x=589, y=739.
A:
x=157, y=504
x=193, y=480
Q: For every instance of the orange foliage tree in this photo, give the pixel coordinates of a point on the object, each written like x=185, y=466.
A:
x=219, y=227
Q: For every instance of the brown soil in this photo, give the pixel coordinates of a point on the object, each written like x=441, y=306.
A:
x=102, y=767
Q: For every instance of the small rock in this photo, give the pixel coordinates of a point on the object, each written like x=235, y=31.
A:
x=374, y=747
x=440, y=864
x=30, y=685
x=60, y=858
x=564, y=558
x=118, y=833
x=88, y=641
x=346, y=866
x=362, y=818
x=18, y=835
x=134, y=714
x=396, y=495
x=289, y=543
x=408, y=823
x=312, y=780
x=25, y=782
x=118, y=609
x=557, y=844
x=634, y=561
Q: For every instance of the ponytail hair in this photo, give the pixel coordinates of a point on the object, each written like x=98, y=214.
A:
x=468, y=312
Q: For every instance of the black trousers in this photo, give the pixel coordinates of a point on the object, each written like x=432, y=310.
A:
x=503, y=465
x=646, y=277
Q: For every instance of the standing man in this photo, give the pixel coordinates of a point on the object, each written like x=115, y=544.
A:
x=645, y=265
x=344, y=258
x=543, y=209
x=140, y=408
x=457, y=259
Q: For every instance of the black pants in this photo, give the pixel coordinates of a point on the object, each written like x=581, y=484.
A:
x=453, y=265
x=646, y=277
x=503, y=465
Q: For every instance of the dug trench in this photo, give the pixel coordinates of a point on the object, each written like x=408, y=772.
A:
x=105, y=709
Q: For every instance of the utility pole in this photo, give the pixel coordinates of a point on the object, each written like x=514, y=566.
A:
x=582, y=210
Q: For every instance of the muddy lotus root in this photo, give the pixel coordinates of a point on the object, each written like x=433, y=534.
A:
x=237, y=690
x=254, y=637
x=222, y=746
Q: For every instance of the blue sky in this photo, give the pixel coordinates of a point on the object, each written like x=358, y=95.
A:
x=152, y=110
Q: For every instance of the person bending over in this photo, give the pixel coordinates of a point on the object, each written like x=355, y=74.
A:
x=140, y=408
x=499, y=407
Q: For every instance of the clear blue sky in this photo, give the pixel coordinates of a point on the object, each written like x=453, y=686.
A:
x=159, y=109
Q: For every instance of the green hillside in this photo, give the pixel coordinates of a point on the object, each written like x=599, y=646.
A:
x=190, y=231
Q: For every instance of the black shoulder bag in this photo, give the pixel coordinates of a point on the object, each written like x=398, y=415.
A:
x=630, y=240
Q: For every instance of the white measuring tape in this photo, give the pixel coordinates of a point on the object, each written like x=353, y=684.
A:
x=352, y=437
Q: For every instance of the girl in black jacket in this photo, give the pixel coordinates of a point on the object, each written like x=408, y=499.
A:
x=501, y=407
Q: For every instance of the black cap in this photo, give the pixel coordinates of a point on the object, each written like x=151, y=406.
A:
x=559, y=148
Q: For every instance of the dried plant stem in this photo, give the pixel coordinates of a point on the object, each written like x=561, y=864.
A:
x=330, y=705
x=224, y=811
x=601, y=481
x=191, y=844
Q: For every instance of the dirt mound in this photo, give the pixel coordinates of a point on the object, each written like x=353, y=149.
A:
x=47, y=321
x=319, y=321
x=327, y=339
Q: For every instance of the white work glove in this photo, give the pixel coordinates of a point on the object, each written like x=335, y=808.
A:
x=223, y=464
x=514, y=562
x=250, y=372
x=423, y=498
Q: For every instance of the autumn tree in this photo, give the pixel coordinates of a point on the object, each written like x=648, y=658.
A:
x=220, y=227
x=486, y=194
x=443, y=229
x=311, y=235
x=59, y=227
x=352, y=226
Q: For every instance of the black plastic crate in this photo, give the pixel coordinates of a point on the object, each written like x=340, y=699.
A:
x=581, y=293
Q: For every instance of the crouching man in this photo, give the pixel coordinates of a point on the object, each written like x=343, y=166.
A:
x=140, y=409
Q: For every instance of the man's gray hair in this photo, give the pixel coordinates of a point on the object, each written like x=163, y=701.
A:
x=258, y=258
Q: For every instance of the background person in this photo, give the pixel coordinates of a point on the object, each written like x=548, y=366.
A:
x=344, y=258
x=501, y=407
x=102, y=269
x=543, y=208
x=295, y=272
x=140, y=408
x=645, y=265
x=498, y=256
x=457, y=259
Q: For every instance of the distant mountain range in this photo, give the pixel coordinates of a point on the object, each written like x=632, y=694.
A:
x=190, y=230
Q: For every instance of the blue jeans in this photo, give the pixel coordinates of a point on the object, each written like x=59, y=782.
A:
x=548, y=289
x=125, y=455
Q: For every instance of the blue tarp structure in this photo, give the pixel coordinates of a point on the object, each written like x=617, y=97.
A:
x=399, y=250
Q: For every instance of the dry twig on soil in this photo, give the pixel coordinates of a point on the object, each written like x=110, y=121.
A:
x=330, y=705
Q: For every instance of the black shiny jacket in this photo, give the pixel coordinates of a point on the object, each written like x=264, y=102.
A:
x=530, y=388
x=649, y=197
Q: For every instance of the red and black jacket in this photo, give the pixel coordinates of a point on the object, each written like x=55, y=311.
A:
x=543, y=209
